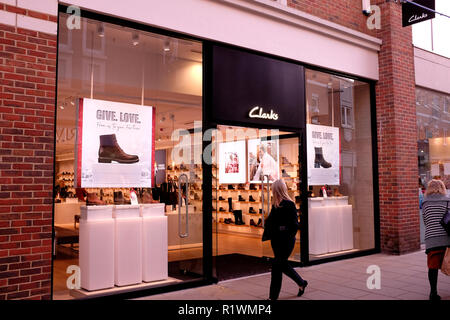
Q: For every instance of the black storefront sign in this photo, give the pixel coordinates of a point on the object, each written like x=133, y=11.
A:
x=252, y=89
x=412, y=14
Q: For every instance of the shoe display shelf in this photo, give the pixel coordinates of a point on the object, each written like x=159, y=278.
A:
x=67, y=180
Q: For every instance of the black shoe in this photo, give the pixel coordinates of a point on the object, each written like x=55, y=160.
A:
x=301, y=291
x=435, y=296
x=221, y=199
x=319, y=161
x=240, y=198
x=251, y=210
x=252, y=223
x=230, y=187
x=221, y=209
x=253, y=187
x=259, y=224
x=251, y=199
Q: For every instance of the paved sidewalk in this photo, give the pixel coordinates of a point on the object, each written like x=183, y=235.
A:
x=403, y=277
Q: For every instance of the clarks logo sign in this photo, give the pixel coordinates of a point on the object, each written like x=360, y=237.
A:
x=416, y=18
x=418, y=11
x=257, y=112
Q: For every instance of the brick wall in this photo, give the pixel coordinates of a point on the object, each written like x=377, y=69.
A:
x=27, y=102
x=397, y=135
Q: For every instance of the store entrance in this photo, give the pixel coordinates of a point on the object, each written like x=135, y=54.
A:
x=246, y=162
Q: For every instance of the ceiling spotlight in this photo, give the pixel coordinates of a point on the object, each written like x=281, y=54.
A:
x=135, y=38
x=101, y=30
x=167, y=46
x=62, y=107
x=162, y=119
x=72, y=103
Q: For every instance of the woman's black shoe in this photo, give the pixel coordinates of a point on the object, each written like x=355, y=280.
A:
x=301, y=291
x=435, y=297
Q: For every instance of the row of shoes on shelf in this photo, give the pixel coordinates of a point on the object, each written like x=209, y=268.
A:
x=183, y=167
x=239, y=187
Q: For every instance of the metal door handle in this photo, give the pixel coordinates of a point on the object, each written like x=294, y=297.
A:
x=262, y=197
x=180, y=199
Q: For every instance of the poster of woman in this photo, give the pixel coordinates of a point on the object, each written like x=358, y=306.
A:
x=232, y=162
x=263, y=160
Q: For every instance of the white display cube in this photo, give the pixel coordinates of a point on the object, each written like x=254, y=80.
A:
x=347, y=227
x=317, y=221
x=128, y=245
x=152, y=210
x=154, y=248
x=96, y=241
x=330, y=223
x=333, y=229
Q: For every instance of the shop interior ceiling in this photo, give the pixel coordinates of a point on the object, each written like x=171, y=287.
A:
x=173, y=109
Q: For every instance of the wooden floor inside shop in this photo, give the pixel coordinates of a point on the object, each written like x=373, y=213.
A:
x=223, y=244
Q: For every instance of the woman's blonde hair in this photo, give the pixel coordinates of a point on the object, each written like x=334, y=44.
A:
x=280, y=193
x=436, y=186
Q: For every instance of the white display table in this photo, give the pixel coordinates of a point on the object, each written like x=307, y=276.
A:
x=96, y=242
x=154, y=242
x=128, y=245
x=330, y=224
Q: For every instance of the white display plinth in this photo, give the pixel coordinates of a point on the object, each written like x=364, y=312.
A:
x=330, y=225
x=154, y=249
x=96, y=240
x=154, y=242
x=152, y=210
x=128, y=245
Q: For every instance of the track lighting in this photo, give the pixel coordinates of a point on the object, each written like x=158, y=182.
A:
x=101, y=30
x=167, y=46
x=135, y=38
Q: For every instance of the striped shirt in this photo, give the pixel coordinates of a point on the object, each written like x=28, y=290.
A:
x=433, y=211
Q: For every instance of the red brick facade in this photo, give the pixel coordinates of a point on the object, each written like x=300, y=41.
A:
x=27, y=103
x=397, y=135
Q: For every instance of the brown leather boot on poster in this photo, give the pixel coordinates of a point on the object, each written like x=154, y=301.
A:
x=110, y=150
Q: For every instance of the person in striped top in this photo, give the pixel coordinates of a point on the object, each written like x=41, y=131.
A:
x=434, y=206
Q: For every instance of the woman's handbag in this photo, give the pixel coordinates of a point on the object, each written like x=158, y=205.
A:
x=445, y=222
x=445, y=268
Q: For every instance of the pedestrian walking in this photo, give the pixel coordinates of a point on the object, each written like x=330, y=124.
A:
x=281, y=226
x=434, y=206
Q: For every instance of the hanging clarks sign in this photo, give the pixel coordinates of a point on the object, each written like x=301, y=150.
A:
x=415, y=13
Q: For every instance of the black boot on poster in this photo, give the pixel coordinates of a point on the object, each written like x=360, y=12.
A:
x=319, y=161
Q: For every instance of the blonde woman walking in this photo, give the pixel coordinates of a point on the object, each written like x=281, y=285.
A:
x=280, y=228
